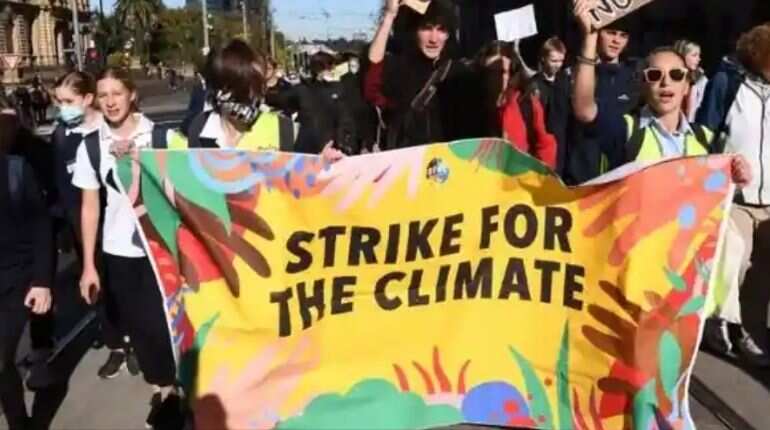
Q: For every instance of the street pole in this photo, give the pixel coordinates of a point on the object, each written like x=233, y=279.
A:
x=272, y=42
x=205, y=12
x=245, y=24
x=76, y=25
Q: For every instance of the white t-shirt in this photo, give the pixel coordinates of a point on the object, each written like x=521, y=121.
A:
x=120, y=234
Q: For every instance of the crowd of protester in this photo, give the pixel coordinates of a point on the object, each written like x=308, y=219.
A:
x=582, y=114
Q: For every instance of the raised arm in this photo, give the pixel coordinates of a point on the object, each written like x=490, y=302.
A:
x=584, y=89
x=380, y=42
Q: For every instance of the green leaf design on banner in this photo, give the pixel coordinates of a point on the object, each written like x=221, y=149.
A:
x=669, y=362
x=692, y=306
x=372, y=404
x=188, y=370
x=499, y=156
x=703, y=270
x=124, y=172
x=645, y=402
x=163, y=215
x=539, y=406
x=562, y=383
x=188, y=185
x=676, y=280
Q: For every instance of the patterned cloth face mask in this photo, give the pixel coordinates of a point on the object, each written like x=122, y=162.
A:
x=245, y=114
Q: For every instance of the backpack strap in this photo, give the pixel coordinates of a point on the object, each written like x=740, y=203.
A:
x=734, y=82
x=159, y=137
x=528, y=114
x=701, y=136
x=426, y=94
x=15, y=180
x=635, y=137
x=59, y=134
x=285, y=133
x=194, y=139
x=92, y=143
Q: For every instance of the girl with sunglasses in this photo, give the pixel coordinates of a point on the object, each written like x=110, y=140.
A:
x=660, y=130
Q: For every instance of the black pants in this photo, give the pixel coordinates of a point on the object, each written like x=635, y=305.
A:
x=14, y=317
x=132, y=287
x=69, y=238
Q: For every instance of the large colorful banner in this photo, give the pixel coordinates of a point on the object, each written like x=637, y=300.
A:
x=429, y=286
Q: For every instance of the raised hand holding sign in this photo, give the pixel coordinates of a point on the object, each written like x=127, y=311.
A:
x=608, y=11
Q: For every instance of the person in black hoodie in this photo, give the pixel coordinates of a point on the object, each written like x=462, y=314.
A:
x=420, y=88
x=324, y=111
x=25, y=276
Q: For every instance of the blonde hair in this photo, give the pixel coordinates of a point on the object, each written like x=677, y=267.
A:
x=683, y=47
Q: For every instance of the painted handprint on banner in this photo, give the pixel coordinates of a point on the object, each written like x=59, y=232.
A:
x=252, y=398
x=378, y=175
x=652, y=209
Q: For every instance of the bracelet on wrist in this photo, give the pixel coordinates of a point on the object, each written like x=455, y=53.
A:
x=587, y=61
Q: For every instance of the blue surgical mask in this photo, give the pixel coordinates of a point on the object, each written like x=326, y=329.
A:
x=70, y=116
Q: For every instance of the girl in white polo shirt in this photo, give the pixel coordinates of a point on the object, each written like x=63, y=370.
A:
x=131, y=282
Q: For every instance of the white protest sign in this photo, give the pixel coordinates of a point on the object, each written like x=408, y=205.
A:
x=516, y=24
x=611, y=10
x=419, y=6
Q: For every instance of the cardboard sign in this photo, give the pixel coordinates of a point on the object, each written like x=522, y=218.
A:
x=419, y=6
x=516, y=24
x=610, y=11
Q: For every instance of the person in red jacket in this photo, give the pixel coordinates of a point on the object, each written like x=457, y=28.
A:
x=512, y=110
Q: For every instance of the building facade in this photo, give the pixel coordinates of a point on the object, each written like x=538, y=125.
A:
x=39, y=33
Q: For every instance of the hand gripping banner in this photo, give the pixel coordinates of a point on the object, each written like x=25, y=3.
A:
x=429, y=286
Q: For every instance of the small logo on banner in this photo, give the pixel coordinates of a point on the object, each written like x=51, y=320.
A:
x=437, y=171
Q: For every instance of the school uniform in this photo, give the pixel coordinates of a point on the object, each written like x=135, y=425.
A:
x=131, y=285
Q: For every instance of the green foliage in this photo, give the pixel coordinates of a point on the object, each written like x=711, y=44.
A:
x=562, y=383
x=138, y=16
x=179, y=36
x=116, y=59
x=373, y=404
x=539, y=404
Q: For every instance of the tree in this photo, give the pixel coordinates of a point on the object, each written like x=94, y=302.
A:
x=179, y=37
x=139, y=16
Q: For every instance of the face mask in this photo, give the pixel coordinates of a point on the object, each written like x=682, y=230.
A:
x=244, y=114
x=70, y=115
